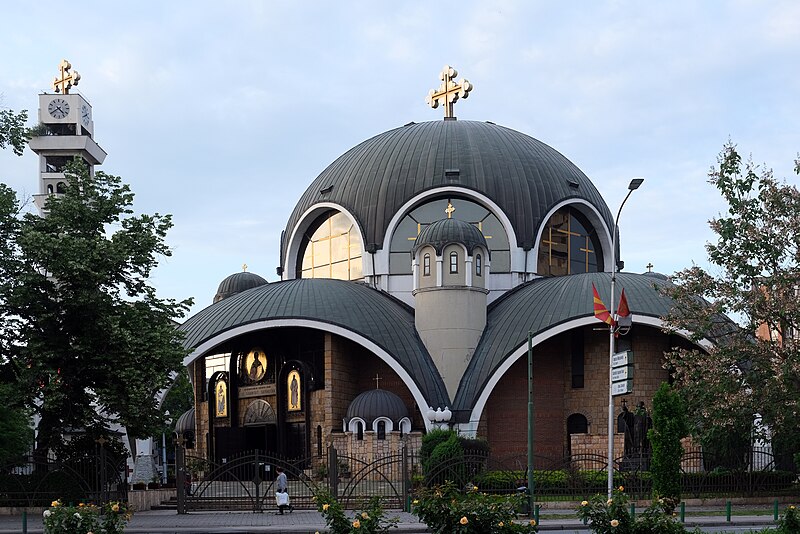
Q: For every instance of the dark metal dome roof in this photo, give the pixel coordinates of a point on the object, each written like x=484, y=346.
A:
x=370, y=313
x=445, y=231
x=185, y=422
x=523, y=176
x=376, y=403
x=236, y=283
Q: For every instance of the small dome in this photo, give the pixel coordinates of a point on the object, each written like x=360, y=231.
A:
x=236, y=283
x=377, y=403
x=446, y=231
x=185, y=422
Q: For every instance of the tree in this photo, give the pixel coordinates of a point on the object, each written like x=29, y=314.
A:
x=13, y=131
x=669, y=427
x=756, y=280
x=92, y=343
x=16, y=434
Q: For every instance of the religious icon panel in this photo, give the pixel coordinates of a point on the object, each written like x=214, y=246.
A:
x=293, y=387
x=255, y=365
x=221, y=398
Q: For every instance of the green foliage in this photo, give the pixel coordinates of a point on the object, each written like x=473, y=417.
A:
x=754, y=275
x=613, y=516
x=789, y=521
x=12, y=130
x=82, y=326
x=669, y=427
x=370, y=520
x=16, y=434
x=445, y=510
x=429, y=443
x=447, y=462
x=110, y=518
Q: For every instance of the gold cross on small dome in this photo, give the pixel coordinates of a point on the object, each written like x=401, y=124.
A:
x=66, y=79
x=449, y=210
x=449, y=91
x=244, y=267
x=377, y=380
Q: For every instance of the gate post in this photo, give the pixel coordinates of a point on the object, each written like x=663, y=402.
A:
x=180, y=475
x=406, y=479
x=333, y=471
x=257, y=508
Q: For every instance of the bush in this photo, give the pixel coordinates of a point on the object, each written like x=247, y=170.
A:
x=669, y=426
x=429, y=443
x=371, y=520
x=445, y=510
x=789, y=522
x=111, y=518
x=612, y=516
x=447, y=463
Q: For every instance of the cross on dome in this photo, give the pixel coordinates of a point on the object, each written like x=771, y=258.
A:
x=66, y=79
x=377, y=381
x=649, y=267
x=449, y=210
x=449, y=91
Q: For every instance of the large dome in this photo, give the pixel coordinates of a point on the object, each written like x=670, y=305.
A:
x=523, y=176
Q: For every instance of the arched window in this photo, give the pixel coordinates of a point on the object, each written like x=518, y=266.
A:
x=61, y=187
x=478, y=265
x=426, y=265
x=454, y=262
x=381, y=430
x=577, y=424
x=331, y=248
x=569, y=245
x=50, y=189
x=360, y=431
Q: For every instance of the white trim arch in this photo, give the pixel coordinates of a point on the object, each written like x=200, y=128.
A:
x=352, y=425
x=304, y=223
x=470, y=194
x=210, y=344
x=389, y=424
x=522, y=351
x=405, y=425
x=595, y=218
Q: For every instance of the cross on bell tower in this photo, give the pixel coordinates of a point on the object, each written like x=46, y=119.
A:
x=66, y=79
x=449, y=91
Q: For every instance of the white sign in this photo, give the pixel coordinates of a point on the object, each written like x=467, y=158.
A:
x=621, y=359
x=621, y=388
x=622, y=373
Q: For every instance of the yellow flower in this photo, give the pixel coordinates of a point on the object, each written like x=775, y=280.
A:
x=791, y=507
x=614, y=523
x=584, y=503
x=54, y=504
x=415, y=501
x=533, y=522
x=356, y=523
x=464, y=520
x=609, y=501
x=80, y=505
x=500, y=524
x=115, y=507
x=325, y=507
x=364, y=515
x=622, y=488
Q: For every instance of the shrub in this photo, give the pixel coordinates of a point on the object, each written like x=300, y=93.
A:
x=447, y=463
x=669, y=426
x=371, y=520
x=444, y=509
x=612, y=516
x=429, y=443
x=111, y=518
x=789, y=522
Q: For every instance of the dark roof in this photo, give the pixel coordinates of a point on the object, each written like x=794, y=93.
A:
x=236, y=283
x=542, y=304
x=441, y=233
x=185, y=422
x=373, y=314
x=523, y=176
x=376, y=403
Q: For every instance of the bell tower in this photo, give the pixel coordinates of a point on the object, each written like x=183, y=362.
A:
x=66, y=131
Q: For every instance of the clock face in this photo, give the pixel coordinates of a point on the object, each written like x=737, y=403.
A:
x=58, y=108
x=86, y=114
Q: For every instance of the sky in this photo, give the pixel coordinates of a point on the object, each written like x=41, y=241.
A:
x=222, y=113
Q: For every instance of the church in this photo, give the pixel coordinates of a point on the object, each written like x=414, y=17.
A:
x=415, y=271
x=412, y=271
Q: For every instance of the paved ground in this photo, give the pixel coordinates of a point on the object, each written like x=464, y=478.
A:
x=303, y=521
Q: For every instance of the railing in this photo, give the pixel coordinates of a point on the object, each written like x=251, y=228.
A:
x=35, y=482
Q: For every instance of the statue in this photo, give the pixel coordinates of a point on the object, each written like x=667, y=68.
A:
x=637, y=446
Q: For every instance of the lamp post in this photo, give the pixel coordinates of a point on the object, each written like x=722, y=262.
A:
x=167, y=421
x=634, y=185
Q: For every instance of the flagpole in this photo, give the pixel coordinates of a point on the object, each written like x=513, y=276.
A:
x=635, y=183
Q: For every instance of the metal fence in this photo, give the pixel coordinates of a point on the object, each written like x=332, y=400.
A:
x=37, y=482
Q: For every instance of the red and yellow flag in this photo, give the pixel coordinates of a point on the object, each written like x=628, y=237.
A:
x=623, y=310
x=600, y=310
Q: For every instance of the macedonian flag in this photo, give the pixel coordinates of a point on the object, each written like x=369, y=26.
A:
x=600, y=310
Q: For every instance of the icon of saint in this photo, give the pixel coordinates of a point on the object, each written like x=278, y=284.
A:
x=256, y=368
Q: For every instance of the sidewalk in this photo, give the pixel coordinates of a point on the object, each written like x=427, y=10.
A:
x=305, y=521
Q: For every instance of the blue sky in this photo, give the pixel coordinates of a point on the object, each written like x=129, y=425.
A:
x=223, y=113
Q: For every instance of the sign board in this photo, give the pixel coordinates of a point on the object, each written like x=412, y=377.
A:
x=621, y=359
x=622, y=373
x=622, y=388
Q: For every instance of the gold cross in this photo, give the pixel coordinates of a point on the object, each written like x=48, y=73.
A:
x=377, y=379
x=244, y=267
x=67, y=79
x=649, y=267
x=449, y=91
x=449, y=210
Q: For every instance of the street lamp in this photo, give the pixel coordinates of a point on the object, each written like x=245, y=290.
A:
x=634, y=185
